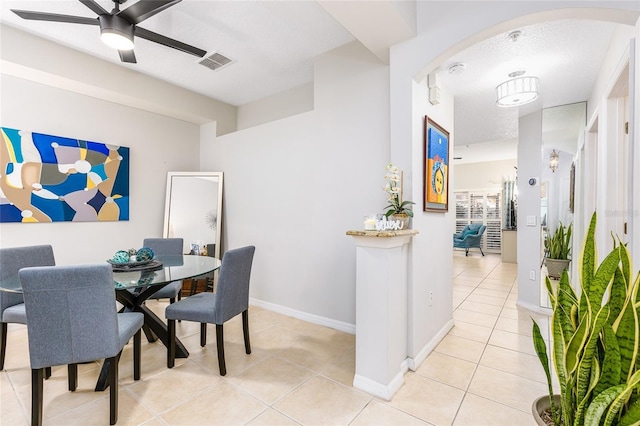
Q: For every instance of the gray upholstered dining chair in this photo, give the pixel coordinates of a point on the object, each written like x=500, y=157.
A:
x=230, y=299
x=71, y=319
x=167, y=247
x=12, y=259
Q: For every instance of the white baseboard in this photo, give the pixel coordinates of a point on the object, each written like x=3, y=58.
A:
x=380, y=390
x=305, y=316
x=415, y=362
x=535, y=308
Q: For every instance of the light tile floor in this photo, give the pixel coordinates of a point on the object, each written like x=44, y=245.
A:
x=484, y=372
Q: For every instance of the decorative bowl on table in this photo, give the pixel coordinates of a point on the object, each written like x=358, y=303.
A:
x=123, y=258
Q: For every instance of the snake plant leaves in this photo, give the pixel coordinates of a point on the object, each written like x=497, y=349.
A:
x=611, y=362
x=588, y=259
x=621, y=399
x=586, y=360
x=552, y=296
x=618, y=295
x=602, y=279
x=559, y=345
x=541, y=349
x=625, y=266
x=626, y=329
x=576, y=345
x=632, y=416
x=595, y=339
x=567, y=301
x=600, y=403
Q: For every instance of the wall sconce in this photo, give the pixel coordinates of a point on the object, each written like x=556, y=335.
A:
x=553, y=161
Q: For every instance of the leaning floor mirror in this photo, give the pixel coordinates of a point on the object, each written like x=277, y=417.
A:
x=193, y=209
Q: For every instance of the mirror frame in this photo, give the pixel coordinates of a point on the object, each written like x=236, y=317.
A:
x=167, y=206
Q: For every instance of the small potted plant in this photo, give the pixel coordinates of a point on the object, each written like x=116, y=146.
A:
x=594, y=343
x=558, y=249
x=397, y=209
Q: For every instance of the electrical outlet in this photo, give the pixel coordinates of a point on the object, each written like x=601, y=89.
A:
x=532, y=275
x=430, y=298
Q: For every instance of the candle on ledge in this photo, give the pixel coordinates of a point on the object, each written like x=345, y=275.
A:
x=370, y=223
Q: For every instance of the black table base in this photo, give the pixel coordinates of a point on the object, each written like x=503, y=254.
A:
x=154, y=328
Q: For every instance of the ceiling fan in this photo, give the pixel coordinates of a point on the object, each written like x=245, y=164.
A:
x=118, y=27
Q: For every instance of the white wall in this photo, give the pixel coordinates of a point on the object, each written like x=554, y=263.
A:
x=606, y=106
x=34, y=58
x=529, y=165
x=281, y=105
x=431, y=264
x=293, y=187
x=158, y=144
x=487, y=175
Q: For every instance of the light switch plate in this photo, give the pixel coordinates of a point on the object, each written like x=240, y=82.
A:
x=531, y=221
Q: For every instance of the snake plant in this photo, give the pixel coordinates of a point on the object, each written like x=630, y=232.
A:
x=558, y=244
x=594, y=340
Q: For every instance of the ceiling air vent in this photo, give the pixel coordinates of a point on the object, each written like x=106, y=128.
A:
x=215, y=61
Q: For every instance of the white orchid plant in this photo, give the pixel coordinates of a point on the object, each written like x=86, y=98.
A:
x=393, y=187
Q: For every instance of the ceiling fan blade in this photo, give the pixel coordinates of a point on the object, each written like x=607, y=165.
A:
x=55, y=17
x=91, y=4
x=144, y=9
x=169, y=42
x=127, y=56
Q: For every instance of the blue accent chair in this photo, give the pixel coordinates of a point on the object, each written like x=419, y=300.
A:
x=469, y=237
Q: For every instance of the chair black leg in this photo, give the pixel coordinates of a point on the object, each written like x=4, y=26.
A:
x=172, y=300
x=481, y=250
x=220, y=344
x=203, y=334
x=466, y=252
x=171, y=347
x=47, y=373
x=3, y=343
x=245, y=329
x=113, y=391
x=73, y=376
x=137, y=342
x=37, y=385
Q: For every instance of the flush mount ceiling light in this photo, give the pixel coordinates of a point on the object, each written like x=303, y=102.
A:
x=517, y=91
x=115, y=32
x=553, y=161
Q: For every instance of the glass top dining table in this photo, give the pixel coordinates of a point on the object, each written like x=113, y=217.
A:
x=174, y=268
x=133, y=288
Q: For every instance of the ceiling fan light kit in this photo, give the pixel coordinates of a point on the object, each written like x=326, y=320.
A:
x=517, y=91
x=115, y=32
